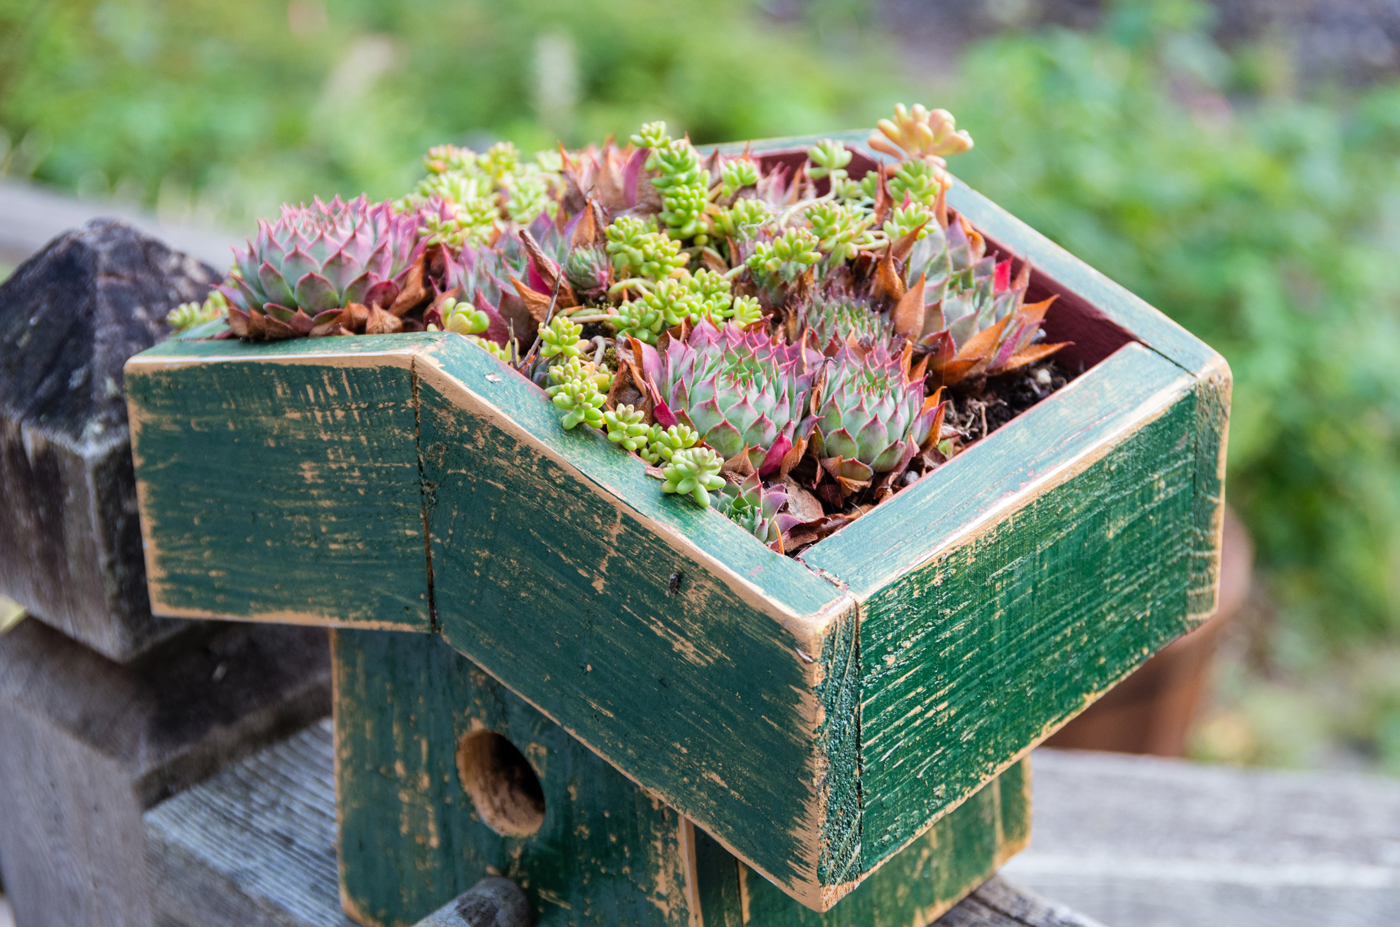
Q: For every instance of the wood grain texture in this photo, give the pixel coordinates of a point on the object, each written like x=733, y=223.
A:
x=816, y=715
x=280, y=484
x=411, y=839
x=1008, y=631
x=86, y=744
x=254, y=846
x=1159, y=843
x=951, y=859
x=563, y=594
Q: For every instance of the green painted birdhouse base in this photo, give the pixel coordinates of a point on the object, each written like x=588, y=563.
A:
x=444, y=776
x=816, y=715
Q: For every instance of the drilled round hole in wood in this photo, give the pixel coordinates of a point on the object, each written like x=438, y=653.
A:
x=499, y=781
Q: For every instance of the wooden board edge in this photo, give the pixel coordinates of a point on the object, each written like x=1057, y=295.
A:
x=1168, y=387
x=807, y=628
x=1213, y=395
x=156, y=360
x=808, y=893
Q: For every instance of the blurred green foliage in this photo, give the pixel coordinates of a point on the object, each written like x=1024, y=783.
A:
x=1267, y=224
x=246, y=104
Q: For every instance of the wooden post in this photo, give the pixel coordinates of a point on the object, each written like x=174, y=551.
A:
x=70, y=540
x=89, y=744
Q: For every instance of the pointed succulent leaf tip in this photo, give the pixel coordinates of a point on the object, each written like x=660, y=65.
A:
x=694, y=472
x=839, y=319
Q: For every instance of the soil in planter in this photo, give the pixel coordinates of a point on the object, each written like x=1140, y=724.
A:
x=977, y=412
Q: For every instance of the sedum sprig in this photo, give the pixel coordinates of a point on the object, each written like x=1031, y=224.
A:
x=839, y=228
x=694, y=472
x=187, y=315
x=905, y=219
x=736, y=175
x=663, y=443
x=576, y=387
x=743, y=221
x=919, y=181
x=627, y=427
x=561, y=338
x=788, y=256
x=463, y=318
x=829, y=158
x=638, y=320
x=638, y=250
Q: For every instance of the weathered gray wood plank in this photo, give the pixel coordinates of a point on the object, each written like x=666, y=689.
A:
x=1148, y=842
x=254, y=846
x=86, y=744
x=70, y=541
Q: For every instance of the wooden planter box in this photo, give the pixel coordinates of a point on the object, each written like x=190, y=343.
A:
x=814, y=715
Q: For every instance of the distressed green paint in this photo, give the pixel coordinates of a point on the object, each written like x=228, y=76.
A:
x=283, y=491
x=775, y=705
x=565, y=596
x=996, y=641
x=928, y=877
x=839, y=738
x=410, y=839
x=1212, y=425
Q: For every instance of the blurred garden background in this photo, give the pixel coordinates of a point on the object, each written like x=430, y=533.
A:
x=1236, y=164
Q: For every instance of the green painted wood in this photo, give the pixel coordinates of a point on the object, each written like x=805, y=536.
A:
x=1011, y=630
x=1212, y=427
x=945, y=864
x=410, y=838
x=813, y=720
x=708, y=696
x=280, y=482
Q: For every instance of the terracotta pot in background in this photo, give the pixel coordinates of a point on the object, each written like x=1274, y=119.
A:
x=1152, y=710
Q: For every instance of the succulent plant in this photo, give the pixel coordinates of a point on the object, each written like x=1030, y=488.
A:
x=872, y=416
x=664, y=442
x=742, y=221
x=756, y=508
x=187, y=315
x=638, y=250
x=318, y=259
x=561, y=338
x=829, y=158
x=735, y=174
x=839, y=229
x=743, y=392
x=463, y=318
x=920, y=133
x=694, y=472
x=637, y=319
x=829, y=318
x=627, y=427
x=787, y=256
x=589, y=272
x=578, y=387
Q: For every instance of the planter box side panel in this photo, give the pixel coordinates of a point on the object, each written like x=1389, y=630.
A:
x=280, y=487
x=561, y=569
x=410, y=837
x=982, y=652
x=946, y=864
